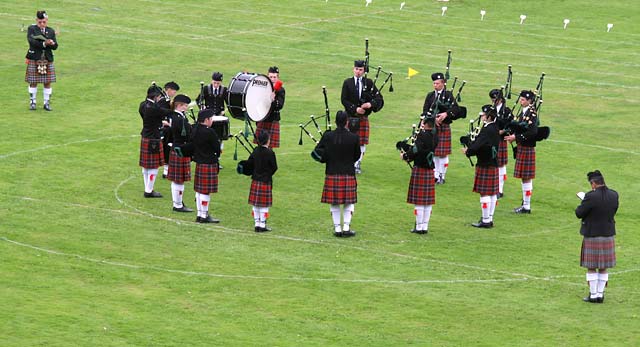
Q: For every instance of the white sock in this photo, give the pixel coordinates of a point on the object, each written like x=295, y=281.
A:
x=527, y=189
x=445, y=166
x=199, y=204
x=419, y=211
x=47, y=94
x=264, y=212
x=426, y=216
x=494, y=202
x=346, y=216
x=436, y=167
x=153, y=173
x=502, y=175
x=603, y=278
x=592, y=279
x=176, y=194
x=166, y=170
x=145, y=177
x=33, y=92
x=485, y=205
x=255, y=211
x=335, y=214
x=204, y=204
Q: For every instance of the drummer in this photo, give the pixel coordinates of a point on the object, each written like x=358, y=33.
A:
x=271, y=123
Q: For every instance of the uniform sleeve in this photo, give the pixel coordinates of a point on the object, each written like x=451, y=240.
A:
x=348, y=105
x=274, y=163
x=585, y=206
x=377, y=101
x=278, y=102
x=530, y=130
x=479, y=142
x=55, y=40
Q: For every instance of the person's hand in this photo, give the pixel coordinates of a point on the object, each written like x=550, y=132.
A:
x=464, y=150
x=49, y=42
x=510, y=138
x=273, y=96
x=366, y=105
x=360, y=110
x=166, y=124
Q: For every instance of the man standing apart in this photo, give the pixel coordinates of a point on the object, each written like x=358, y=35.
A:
x=40, y=69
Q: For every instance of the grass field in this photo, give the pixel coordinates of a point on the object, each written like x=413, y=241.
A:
x=87, y=261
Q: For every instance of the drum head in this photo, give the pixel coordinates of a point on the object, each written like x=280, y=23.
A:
x=258, y=98
x=220, y=119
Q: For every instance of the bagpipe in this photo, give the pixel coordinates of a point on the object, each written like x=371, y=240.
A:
x=244, y=167
x=314, y=120
x=521, y=126
x=475, y=126
x=446, y=102
x=407, y=145
x=161, y=90
x=372, y=93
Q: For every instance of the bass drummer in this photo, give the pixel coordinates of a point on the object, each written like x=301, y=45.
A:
x=271, y=123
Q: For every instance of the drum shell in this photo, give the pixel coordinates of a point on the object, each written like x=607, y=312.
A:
x=249, y=94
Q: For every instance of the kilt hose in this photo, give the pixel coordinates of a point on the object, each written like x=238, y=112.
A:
x=179, y=168
x=151, y=155
x=340, y=189
x=486, y=181
x=363, y=130
x=260, y=194
x=32, y=76
x=274, y=131
x=444, y=141
x=598, y=252
x=525, y=163
x=502, y=153
x=421, y=187
x=206, y=180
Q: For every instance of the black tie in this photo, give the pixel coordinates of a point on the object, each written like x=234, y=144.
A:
x=358, y=86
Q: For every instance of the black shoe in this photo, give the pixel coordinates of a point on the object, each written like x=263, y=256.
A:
x=47, y=107
x=164, y=176
x=209, y=219
x=500, y=195
x=153, y=194
x=262, y=230
x=348, y=233
x=182, y=209
x=414, y=230
x=32, y=106
x=590, y=299
x=422, y=232
x=482, y=224
x=337, y=233
x=522, y=210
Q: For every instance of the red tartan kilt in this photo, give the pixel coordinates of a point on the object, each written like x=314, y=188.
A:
x=274, y=130
x=421, y=187
x=598, y=252
x=32, y=76
x=444, y=141
x=151, y=155
x=340, y=189
x=206, y=180
x=503, y=154
x=363, y=130
x=260, y=194
x=486, y=181
x=179, y=168
x=525, y=163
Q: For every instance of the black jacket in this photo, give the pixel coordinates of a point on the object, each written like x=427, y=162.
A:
x=445, y=102
x=152, y=115
x=180, y=129
x=525, y=127
x=370, y=93
x=276, y=105
x=597, y=212
x=422, y=151
x=485, y=146
x=37, y=47
x=341, y=149
x=206, y=145
x=504, y=117
x=212, y=100
x=264, y=164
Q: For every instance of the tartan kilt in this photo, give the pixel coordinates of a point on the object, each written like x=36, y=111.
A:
x=363, y=130
x=340, y=189
x=151, y=155
x=179, y=168
x=525, y=163
x=503, y=155
x=206, y=180
x=444, y=141
x=486, y=181
x=32, y=75
x=260, y=194
x=598, y=252
x=421, y=187
x=274, y=131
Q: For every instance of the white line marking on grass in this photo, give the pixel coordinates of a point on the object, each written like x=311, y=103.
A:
x=595, y=146
x=2, y=156
x=252, y=277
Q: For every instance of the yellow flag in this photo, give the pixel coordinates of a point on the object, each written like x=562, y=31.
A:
x=412, y=73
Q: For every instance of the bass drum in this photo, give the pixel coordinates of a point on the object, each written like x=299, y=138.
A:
x=251, y=94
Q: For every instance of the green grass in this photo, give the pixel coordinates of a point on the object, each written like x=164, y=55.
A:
x=86, y=260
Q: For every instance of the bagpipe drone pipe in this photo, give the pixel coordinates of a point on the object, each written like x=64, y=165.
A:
x=372, y=93
x=448, y=100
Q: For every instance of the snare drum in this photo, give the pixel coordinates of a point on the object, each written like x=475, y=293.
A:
x=221, y=126
x=250, y=93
